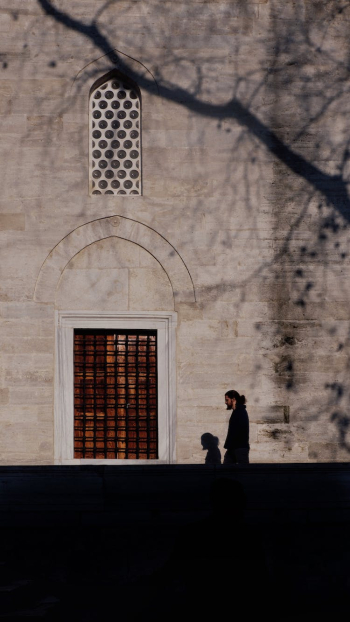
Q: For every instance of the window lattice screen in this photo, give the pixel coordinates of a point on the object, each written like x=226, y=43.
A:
x=115, y=154
x=115, y=394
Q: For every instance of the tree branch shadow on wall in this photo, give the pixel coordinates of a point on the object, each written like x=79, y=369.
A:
x=329, y=189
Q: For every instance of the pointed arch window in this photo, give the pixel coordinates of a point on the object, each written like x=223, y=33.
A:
x=115, y=136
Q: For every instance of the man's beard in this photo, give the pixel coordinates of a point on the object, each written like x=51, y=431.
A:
x=228, y=407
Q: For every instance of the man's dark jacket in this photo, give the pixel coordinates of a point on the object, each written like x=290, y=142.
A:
x=238, y=429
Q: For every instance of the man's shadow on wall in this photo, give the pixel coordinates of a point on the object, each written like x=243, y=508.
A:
x=210, y=443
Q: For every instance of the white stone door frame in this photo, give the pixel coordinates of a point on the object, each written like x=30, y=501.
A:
x=66, y=322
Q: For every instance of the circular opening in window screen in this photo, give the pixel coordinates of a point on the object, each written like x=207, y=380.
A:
x=115, y=139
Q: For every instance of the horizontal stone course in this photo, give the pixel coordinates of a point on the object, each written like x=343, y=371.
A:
x=12, y=222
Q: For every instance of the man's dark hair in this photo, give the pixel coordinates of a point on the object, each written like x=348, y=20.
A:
x=240, y=399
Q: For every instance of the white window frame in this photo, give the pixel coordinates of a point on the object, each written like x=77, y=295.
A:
x=66, y=322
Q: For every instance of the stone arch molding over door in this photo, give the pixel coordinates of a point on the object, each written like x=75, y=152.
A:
x=121, y=227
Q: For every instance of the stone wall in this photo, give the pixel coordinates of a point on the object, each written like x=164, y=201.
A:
x=245, y=170
x=114, y=275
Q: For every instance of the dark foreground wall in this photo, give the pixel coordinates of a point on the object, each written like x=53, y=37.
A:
x=76, y=541
x=56, y=496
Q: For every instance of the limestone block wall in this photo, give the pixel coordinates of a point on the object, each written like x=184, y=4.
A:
x=242, y=226
x=114, y=275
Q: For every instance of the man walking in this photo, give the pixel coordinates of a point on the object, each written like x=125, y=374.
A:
x=237, y=440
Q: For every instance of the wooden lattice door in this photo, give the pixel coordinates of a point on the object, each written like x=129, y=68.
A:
x=115, y=394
